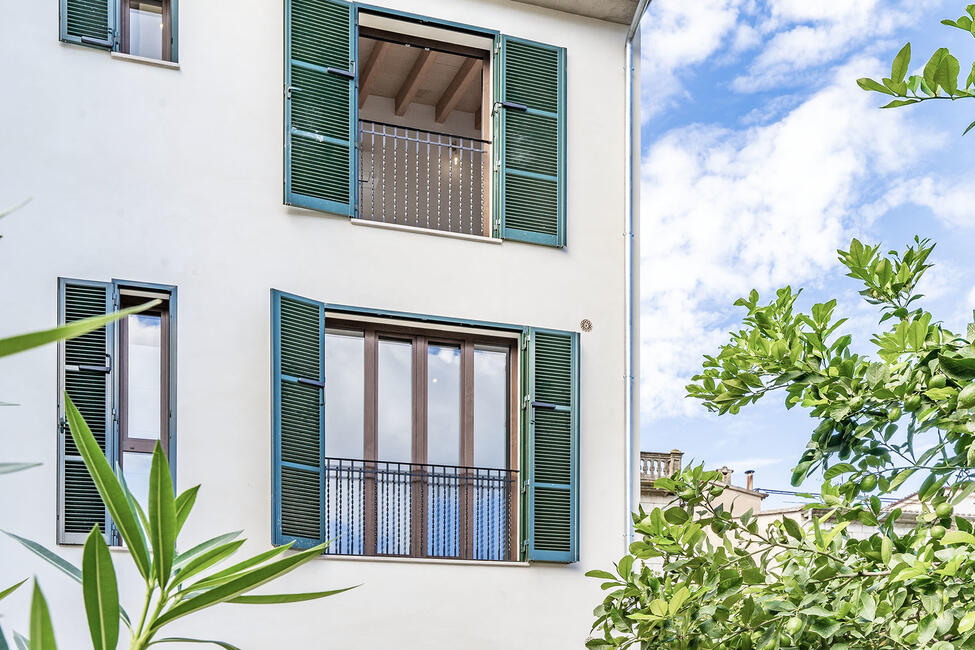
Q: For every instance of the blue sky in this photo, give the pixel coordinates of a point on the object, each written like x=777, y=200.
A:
x=761, y=157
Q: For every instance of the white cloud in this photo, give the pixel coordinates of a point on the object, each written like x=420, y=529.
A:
x=803, y=35
x=724, y=211
x=677, y=34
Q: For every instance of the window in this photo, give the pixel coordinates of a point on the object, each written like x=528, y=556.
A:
x=396, y=437
x=409, y=121
x=143, y=28
x=121, y=378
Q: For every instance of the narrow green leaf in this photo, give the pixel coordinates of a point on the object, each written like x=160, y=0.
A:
x=52, y=558
x=239, y=585
x=598, y=573
x=108, y=487
x=41, y=629
x=184, y=504
x=233, y=571
x=10, y=468
x=9, y=590
x=100, y=591
x=902, y=62
x=970, y=127
x=274, y=599
x=205, y=560
x=3, y=640
x=886, y=549
x=186, y=556
x=897, y=103
x=22, y=342
x=22, y=642
x=183, y=639
x=162, y=516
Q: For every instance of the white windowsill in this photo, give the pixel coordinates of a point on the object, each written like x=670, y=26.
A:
x=425, y=231
x=159, y=63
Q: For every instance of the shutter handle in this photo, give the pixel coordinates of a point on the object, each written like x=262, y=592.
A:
x=548, y=406
x=98, y=42
x=340, y=73
x=311, y=382
x=513, y=106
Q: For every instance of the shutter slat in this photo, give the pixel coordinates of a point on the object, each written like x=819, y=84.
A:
x=81, y=506
x=553, y=433
x=299, y=419
x=531, y=177
x=320, y=111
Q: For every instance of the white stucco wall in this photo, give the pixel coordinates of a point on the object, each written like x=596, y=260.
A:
x=174, y=176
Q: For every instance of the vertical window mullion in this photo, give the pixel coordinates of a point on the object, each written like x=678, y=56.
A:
x=419, y=476
x=465, y=492
x=370, y=443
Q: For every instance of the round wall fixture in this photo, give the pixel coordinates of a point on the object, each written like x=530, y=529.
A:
x=586, y=325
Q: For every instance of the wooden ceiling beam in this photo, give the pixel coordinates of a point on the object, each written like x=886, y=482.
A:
x=413, y=81
x=371, y=70
x=455, y=91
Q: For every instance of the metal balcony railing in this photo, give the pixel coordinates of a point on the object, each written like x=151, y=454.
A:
x=422, y=178
x=419, y=510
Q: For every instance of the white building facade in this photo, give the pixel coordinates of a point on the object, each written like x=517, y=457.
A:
x=391, y=246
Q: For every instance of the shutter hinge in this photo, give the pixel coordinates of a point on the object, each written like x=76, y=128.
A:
x=524, y=546
x=524, y=341
x=524, y=487
x=526, y=401
x=287, y=91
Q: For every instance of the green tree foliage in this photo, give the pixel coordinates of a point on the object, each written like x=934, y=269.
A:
x=939, y=80
x=703, y=576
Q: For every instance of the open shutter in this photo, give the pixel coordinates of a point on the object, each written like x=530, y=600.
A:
x=553, y=446
x=530, y=171
x=86, y=373
x=320, y=106
x=298, y=384
x=88, y=22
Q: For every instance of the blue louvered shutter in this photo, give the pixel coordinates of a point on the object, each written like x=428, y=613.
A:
x=320, y=106
x=86, y=374
x=298, y=405
x=88, y=22
x=530, y=122
x=552, y=462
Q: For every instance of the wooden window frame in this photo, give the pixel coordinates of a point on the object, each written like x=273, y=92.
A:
x=143, y=445
x=167, y=31
x=420, y=338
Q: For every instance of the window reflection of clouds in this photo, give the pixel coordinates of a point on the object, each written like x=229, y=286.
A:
x=344, y=394
x=443, y=408
x=490, y=408
x=144, y=350
x=395, y=397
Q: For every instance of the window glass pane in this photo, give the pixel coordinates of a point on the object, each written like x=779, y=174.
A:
x=146, y=28
x=395, y=401
x=443, y=405
x=144, y=356
x=135, y=470
x=490, y=408
x=344, y=394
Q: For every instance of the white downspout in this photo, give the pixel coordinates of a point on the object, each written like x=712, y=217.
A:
x=632, y=264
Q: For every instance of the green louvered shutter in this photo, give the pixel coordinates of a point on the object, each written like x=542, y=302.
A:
x=88, y=22
x=298, y=383
x=86, y=373
x=530, y=174
x=320, y=107
x=553, y=446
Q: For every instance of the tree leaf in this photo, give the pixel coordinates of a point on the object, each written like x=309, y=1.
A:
x=22, y=342
x=966, y=623
x=869, y=84
x=957, y=368
x=41, y=629
x=100, y=591
x=957, y=537
x=947, y=74
x=9, y=590
x=677, y=600
x=162, y=516
x=239, y=585
x=836, y=470
x=792, y=527
x=108, y=487
x=274, y=599
x=10, y=468
x=202, y=547
x=231, y=572
x=599, y=573
x=931, y=69
x=900, y=102
x=205, y=560
x=970, y=127
x=902, y=62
